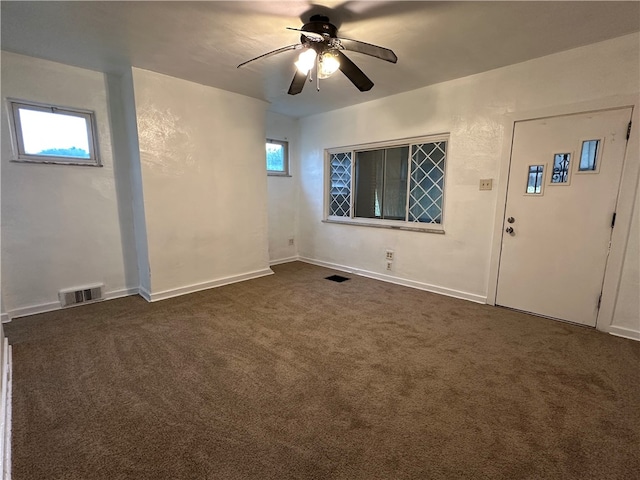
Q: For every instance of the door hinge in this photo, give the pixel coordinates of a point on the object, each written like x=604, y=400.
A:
x=613, y=220
x=599, y=301
x=628, y=130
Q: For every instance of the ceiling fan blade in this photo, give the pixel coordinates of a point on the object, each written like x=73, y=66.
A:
x=313, y=36
x=297, y=84
x=297, y=46
x=369, y=49
x=353, y=73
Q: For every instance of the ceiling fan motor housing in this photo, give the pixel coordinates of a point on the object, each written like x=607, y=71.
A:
x=319, y=24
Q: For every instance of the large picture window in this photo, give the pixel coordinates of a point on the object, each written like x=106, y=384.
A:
x=400, y=184
x=51, y=134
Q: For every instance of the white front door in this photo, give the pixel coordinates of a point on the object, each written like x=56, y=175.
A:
x=562, y=192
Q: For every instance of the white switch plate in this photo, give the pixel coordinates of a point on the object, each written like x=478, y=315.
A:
x=486, y=184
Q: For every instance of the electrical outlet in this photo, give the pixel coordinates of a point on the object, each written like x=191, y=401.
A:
x=486, y=184
x=291, y=242
x=389, y=265
x=389, y=255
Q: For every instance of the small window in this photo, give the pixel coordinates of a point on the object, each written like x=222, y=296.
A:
x=277, y=157
x=561, y=169
x=398, y=184
x=589, y=156
x=535, y=180
x=52, y=134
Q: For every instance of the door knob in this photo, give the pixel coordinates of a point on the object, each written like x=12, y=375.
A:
x=511, y=219
x=509, y=230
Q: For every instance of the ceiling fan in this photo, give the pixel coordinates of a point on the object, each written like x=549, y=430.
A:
x=322, y=51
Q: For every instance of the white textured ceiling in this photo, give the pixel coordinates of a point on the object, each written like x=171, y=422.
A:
x=205, y=41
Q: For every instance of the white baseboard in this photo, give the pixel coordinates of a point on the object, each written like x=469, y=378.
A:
x=176, y=292
x=284, y=260
x=144, y=293
x=400, y=281
x=51, y=306
x=125, y=292
x=5, y=412
x=34, y=310
x=322, y=263
x=624, y=332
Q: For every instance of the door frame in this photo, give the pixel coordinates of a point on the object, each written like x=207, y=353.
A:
x=629, y=185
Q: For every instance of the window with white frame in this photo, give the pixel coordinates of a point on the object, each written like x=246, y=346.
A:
x=44, y=133
x=397, y=184
x=277, y=157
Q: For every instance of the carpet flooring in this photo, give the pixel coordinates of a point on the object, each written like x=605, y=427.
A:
x=292, y=376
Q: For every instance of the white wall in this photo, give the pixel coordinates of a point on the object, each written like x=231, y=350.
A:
x=626, y=318
x=62, y=225
x=204, y=183
x=473, y=110
x=125, y=139
x=283, y=191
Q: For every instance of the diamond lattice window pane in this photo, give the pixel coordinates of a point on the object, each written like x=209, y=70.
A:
x=340, y=192
x=427, y=182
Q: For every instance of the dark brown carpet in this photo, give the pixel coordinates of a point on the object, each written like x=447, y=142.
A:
x=296, y=377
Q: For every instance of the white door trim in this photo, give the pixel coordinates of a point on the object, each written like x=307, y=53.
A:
x=624, y=210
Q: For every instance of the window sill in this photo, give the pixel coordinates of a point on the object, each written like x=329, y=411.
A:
x=391, y=227
x=286, y=175
x=56, y=161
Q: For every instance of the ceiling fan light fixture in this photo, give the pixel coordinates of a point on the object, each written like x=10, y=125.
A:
x=322, y=49
x=328, y=64
x=306, y=60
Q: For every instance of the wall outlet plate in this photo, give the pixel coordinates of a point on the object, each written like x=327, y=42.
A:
x=389, y=255
x=486, y=184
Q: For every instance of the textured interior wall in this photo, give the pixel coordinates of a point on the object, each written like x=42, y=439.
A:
x=125, y=135
x=61, y=224
x=627, y=312
x=472, y=109
x=203, y=180
x=283, y=191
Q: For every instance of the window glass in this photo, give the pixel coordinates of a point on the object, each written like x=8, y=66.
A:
x=534, y=179
x=395, y=187
x=381, y=183
x=427, y=182
x=51, y=134
x=589, y=155
x=277, y=157
x=560, y=173
x=340, y=188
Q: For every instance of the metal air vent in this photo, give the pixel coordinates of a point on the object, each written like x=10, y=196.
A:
x=87, y=294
